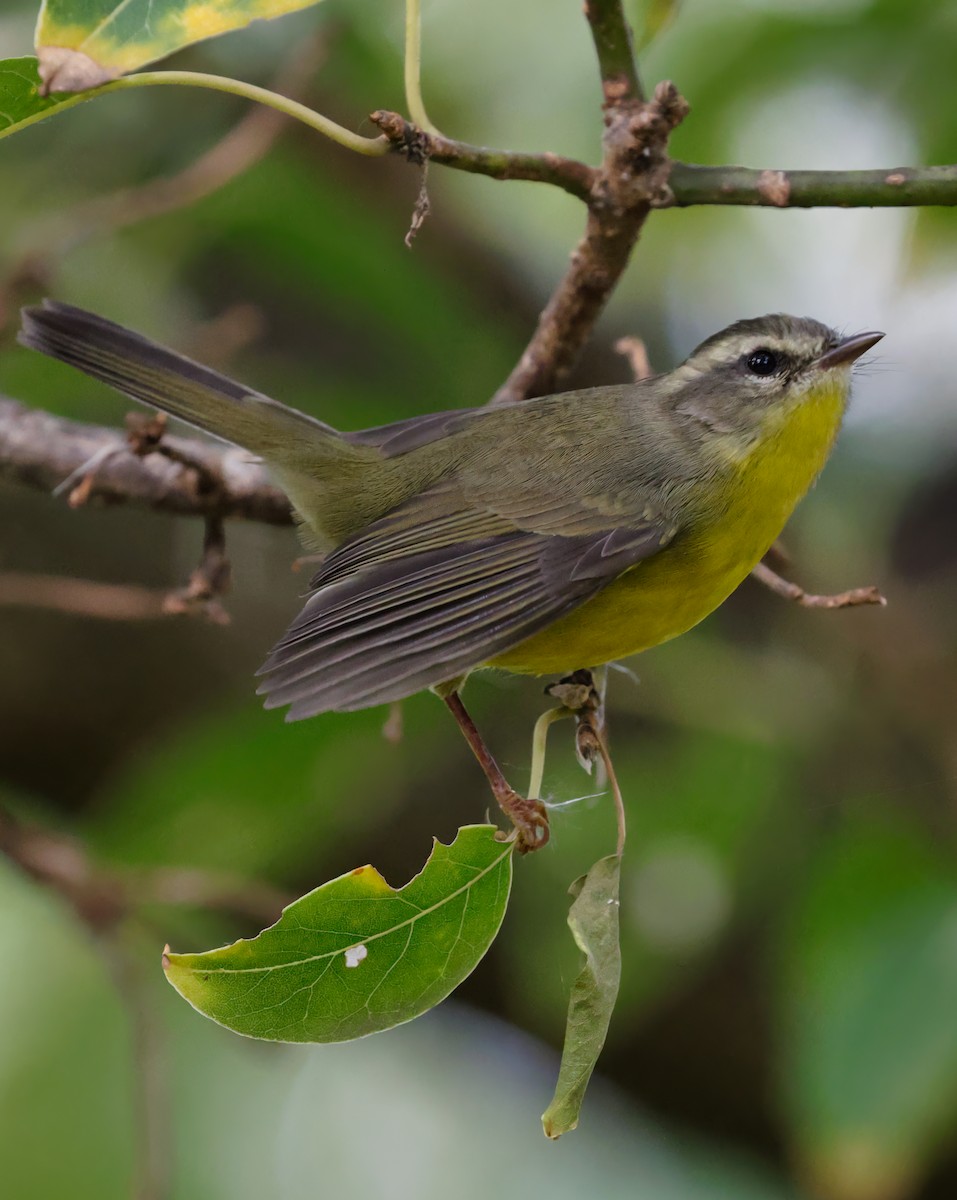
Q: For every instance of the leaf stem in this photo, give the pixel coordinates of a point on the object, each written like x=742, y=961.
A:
x=371, y=147
x=615, y=791
x=413, y=66
x=539, y=744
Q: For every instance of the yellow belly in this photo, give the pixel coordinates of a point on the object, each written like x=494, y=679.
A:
x=646, y=606
x=671, y=592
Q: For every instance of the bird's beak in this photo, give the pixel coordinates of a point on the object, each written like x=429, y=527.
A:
x=847, y=351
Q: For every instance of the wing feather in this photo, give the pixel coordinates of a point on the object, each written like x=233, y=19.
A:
x=435, y=589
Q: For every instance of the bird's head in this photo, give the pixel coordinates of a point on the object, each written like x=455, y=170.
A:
x=743, y=384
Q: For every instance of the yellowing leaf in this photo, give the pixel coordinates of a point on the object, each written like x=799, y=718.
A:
x=356, y=956
x=593, y=920
x=83, y=43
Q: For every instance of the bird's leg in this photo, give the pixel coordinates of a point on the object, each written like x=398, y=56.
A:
x=583, y=694
x=529, y=817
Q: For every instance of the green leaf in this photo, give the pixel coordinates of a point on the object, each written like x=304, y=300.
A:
x=869, y=1008
x=83, y=43
x=593, y=920
x=356, y=956
x=20, y=101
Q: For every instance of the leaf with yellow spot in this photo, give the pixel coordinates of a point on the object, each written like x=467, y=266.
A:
x=83, y=43
x=356, y=956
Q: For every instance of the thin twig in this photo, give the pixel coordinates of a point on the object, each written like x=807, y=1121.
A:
x=611, y=34
x=791, y=591
x=632, y=179
x=210, y=580
x=689, y=184
x=888, y=187
x=418, y=145
x=217, y=341
x=422, y=208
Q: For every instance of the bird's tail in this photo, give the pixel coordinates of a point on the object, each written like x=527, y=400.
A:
x=163, y=379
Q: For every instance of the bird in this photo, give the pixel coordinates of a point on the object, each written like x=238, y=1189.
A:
x=556, y=533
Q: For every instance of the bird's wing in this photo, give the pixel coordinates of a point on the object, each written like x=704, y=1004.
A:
x=437, y=588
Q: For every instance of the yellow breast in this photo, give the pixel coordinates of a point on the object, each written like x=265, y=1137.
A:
x=667, y=595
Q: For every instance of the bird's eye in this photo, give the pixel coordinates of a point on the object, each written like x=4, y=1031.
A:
x=763, y=362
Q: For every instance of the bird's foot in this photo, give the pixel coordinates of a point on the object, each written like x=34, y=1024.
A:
x=529, y=820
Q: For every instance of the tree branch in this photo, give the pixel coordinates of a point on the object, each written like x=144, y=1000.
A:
x=893, y=187
x=632, y=180
x=853, y=598
x=418, y=146
x=42, y=451
x=611, y=34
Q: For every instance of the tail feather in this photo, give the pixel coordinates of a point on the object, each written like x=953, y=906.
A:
x=163, y=379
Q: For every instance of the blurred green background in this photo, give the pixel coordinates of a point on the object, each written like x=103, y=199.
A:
x=787, y=1025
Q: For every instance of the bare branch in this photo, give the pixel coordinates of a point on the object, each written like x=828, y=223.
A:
x=888, y=188
x=210, y=580
x=419, y=146
x=853, y=598
x=613, y=45
x=688, y=183
x=632, y=180
x=41, y=451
